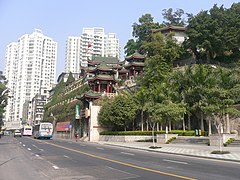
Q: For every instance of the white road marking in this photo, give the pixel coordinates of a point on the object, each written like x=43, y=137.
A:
x=128, y=153
x=82, y=145
x=99, y=148
x=34, y=145
x=20, y=142
x=134, y=175
x=179, y=162
x=41, y=150
x=66, y=156
x=24, y=145
x=29, y=149
x=55, y=167
x=37, y=155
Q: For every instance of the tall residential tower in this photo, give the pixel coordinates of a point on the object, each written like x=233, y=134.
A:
x=30, y=66
x=92, y=42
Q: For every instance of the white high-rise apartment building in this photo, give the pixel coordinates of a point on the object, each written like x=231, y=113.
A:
x=92, y=42
x=72, y=55
x=30, y=65
x=112, y=48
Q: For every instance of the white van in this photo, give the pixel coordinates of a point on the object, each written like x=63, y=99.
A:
x=17, y=133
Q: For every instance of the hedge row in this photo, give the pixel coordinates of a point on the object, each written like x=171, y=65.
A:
x=149, y=133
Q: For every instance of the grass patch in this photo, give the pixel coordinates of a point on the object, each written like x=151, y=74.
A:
x=220, y=152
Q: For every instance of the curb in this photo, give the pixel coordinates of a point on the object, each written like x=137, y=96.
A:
x=180, y=154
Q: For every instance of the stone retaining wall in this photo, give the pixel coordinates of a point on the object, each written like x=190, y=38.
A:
x=215, y=140
x=114, y=138
x=163, y=138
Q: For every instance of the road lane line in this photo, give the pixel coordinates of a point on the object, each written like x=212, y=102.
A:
x=24, y=145
x=99, y=148
x=66, y=156
x=178, y=162
x=130, y=174
x=20, y=142
x=128, y=153
x=34, y=145
x=29, y=149
x=37, y=155
x=122, y=163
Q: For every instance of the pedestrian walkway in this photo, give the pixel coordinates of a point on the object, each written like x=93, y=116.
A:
x=183, y=149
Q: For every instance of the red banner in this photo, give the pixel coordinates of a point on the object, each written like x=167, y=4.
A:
x=63, y=126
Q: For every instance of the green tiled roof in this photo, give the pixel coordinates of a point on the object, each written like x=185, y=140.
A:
x=93, y=93
x=90, y=94
x=102, y=77
x=91, y=68
x=107, y=60
x=103, y=65
x=134, y=64
x=135, y=55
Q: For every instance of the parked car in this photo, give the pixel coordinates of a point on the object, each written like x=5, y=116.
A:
x=7, y=133
x=17, y=133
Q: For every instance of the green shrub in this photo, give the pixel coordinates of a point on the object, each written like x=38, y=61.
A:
x=148, y=133
x=229, y=141
x=131, y=133
x=205, y=133
x=189, y=133
x=146, y=140
x=220, y=152
x=171, y=139
x=155, y=147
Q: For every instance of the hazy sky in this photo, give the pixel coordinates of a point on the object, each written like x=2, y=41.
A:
x=59, y=19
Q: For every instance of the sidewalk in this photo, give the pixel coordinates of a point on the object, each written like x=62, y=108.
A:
x=183, y=149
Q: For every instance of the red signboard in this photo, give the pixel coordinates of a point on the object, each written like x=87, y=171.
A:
x=61, y=126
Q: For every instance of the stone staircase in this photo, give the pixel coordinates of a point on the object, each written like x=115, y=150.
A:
x=191, y=140
x=84, y=138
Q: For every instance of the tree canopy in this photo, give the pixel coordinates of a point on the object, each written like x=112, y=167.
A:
x=214, y=35
x=141, y=32
x=173, y=18
x=161, y=52
x=3, y=97
x=118, y=113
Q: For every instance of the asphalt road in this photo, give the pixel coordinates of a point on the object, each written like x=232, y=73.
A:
x=54, y=159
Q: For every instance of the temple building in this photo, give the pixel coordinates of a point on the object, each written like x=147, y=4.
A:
x=135, y=65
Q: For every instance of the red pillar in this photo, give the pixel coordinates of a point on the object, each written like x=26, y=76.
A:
x=107, y=88
x=110, y=88
x=98, y=87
